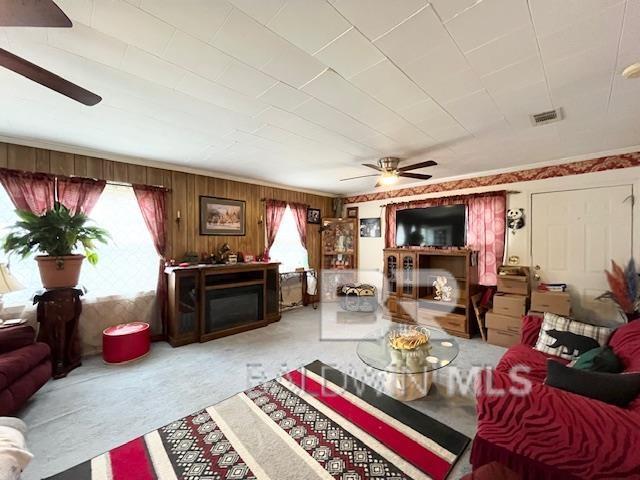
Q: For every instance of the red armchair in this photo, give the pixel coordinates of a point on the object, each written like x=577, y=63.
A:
x=25, y=366
x=550, y=433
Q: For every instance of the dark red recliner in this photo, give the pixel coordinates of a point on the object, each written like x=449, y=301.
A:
x=25, y=366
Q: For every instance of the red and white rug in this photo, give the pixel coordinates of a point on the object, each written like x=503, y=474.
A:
x=313, y=423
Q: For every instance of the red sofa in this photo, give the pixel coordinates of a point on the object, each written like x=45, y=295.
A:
x=25, y=366
x=552, y=434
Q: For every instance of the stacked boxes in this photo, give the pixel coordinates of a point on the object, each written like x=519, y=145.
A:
x=553, y=302
x=504, y=321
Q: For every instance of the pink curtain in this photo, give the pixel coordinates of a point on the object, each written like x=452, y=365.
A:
x=274, y=212
x=485, y=233
x=153, y=205
x=299, y=211
x=79, y=194
x=33, y=192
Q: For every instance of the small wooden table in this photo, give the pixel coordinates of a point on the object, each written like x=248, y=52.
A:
x=58, y=313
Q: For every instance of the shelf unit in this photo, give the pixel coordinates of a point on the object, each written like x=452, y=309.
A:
x=409, y=292
x=339, y=243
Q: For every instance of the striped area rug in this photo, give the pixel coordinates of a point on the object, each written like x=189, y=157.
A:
x=313, y=423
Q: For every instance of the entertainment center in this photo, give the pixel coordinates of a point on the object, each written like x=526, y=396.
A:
x=410, y=294
x=212, y=301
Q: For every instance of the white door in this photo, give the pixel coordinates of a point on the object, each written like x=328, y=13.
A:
x=574, y=236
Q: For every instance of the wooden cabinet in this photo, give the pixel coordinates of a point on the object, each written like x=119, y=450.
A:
x=410, y=294
x=212, y=301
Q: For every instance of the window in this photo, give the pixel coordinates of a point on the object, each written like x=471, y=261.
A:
x=287, y=248
x=128, y=263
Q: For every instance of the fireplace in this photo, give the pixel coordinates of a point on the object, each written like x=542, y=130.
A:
x=233, y=307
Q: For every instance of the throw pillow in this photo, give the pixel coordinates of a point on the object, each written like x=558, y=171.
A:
x=568, y=338
x=601, y=359
x=615, y=388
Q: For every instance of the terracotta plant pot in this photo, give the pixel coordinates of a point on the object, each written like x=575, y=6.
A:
x=59, y=272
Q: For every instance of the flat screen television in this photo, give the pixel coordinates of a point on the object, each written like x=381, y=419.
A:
x=443, y=226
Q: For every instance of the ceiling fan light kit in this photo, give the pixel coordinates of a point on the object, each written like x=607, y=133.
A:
x=390, y=171
x=632, y=71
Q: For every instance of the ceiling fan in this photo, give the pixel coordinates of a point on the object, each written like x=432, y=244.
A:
x=39, y=13
x=389, y=171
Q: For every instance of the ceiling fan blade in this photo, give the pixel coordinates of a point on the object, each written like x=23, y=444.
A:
x=378, y=184
x=419, y=176
x=32, y=13
x=375, y=167
x=361, y=176
x=415, y=166
x=47, y=78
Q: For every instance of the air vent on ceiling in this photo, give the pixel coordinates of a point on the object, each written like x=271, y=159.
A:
x=543, y=118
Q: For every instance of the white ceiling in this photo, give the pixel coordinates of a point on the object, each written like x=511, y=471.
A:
x=301, y=92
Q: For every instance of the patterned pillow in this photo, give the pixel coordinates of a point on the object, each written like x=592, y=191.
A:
x=567, y=338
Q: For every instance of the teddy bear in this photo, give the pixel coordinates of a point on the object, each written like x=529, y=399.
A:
x=515, y=219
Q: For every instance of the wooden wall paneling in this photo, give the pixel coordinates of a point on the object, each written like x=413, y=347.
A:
x=120, y=172
x=94, y=167
x=180, y=231
x=20, y=157
x=107, y=170
x=137, y=174
x=3, y=155
x=158, y=177
x=80, y=164
x=42, y=160
x=61, y=163
x=190, y=215
x=200, y=188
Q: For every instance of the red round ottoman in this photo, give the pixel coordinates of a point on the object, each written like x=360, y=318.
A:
x=125, y=342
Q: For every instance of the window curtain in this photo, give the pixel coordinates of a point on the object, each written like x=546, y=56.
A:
x=153, y=205
x=485, y=233
x=299, y=211
x=485, y=227
x=274, y=212
x=33, y=192
x=79, y=194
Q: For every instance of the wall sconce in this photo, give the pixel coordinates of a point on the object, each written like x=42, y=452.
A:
x=178, y=217
x=260, y=220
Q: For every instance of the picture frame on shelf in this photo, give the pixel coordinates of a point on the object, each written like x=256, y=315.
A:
x=352, y=212
x=370, y=228
x=222, y=216
x=314, y=216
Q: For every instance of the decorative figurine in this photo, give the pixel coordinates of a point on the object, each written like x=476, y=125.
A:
x=443, y=292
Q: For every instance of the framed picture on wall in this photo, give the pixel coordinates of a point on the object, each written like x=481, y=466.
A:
x=314, y=216
x=222, y=216
x=352, y=212
x=370, y=227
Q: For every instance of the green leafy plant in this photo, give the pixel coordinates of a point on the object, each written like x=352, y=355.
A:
x=56, y=233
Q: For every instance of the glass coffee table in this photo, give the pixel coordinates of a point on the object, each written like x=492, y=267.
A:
x=407, y=374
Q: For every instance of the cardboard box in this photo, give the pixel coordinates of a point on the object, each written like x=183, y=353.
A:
x=495, y=321
x=553, y=302
x=502, y=338
x=509, y=304
x=515, y=282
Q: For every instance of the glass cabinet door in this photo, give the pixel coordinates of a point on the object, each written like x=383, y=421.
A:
x=187, y=305
x=408, y=274
x=392, y=273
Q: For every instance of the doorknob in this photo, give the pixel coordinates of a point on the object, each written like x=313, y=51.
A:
x=536, y=275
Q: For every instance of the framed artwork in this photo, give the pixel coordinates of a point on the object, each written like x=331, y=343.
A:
x=314, y=216
x=370, y=227
x=352, y=212
x=222, y=216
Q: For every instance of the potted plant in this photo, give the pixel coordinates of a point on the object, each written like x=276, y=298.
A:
x=56, y=234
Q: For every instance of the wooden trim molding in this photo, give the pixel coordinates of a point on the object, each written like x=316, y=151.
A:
x=612, y=162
